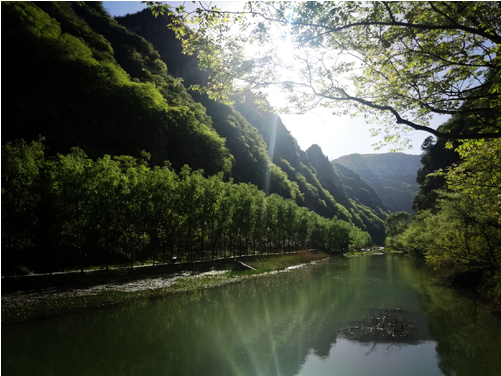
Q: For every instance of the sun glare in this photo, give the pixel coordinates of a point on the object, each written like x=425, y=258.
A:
x=285, y=57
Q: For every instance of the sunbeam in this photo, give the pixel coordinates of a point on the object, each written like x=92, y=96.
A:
x=271, y=151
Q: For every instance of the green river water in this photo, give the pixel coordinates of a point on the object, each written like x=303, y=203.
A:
x=287, y=324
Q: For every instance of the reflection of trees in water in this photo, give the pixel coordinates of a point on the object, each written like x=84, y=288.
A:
x=271, y=324
x=382, y=326
x=468, y=337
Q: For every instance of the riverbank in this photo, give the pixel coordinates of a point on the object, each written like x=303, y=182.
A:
x=30, y=297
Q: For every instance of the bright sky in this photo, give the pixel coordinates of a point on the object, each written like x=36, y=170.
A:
x=121, y=8
x=337, y=136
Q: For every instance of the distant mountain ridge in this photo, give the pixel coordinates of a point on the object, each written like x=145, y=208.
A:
x=357, y=188
x=392, y=175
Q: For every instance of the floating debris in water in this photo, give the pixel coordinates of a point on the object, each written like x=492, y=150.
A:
x=381, y=326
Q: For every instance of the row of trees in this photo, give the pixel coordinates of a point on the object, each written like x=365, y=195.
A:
x=256, y=137
x=390, y=62
x=70, y=211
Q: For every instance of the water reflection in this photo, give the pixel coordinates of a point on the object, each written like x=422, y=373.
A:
x=351, y=359
x=468, y=337
x=284, y=324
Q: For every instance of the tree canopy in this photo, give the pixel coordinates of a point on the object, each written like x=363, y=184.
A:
x=81, y=79
x=69, y=211
x=396, y=63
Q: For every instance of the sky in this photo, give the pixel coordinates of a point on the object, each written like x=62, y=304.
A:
x=121, y=8
x=336, y=136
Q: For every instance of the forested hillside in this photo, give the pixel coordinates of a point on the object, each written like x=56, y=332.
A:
x=358, y=189
x=77, y=78
x=291, y=175
x=91, y=116
x=392, y=175
x=404, y=75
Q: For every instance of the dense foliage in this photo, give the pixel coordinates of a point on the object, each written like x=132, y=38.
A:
x=462, y=229
x=69, y=211
x=396, y=223
x=100, y=94
x=265, y=152
x=435, y=157
x=78, y=78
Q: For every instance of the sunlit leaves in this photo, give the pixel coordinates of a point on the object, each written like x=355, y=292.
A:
x=21, y=170
x=479, y=175
x=464, y=236
x=464, y=230
x=414, y=58
x=157, y=8
x=117, y=210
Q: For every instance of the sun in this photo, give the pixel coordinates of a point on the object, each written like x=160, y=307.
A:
x=284, y=66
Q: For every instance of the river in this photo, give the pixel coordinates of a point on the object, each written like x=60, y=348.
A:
x=293, y=323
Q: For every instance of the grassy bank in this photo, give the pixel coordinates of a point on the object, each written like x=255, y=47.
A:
x=21, y=306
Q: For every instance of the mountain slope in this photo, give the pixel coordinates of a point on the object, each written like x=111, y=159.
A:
x=81, y=79
x=366, y=208
x=358, y=189
x=300, y=180
x=392, y=175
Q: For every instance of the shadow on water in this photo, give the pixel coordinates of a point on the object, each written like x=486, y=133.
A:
x=468, y=337
x=283, y=324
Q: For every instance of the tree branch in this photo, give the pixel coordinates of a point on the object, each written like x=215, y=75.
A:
x=400, y=120
x=493, y=37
